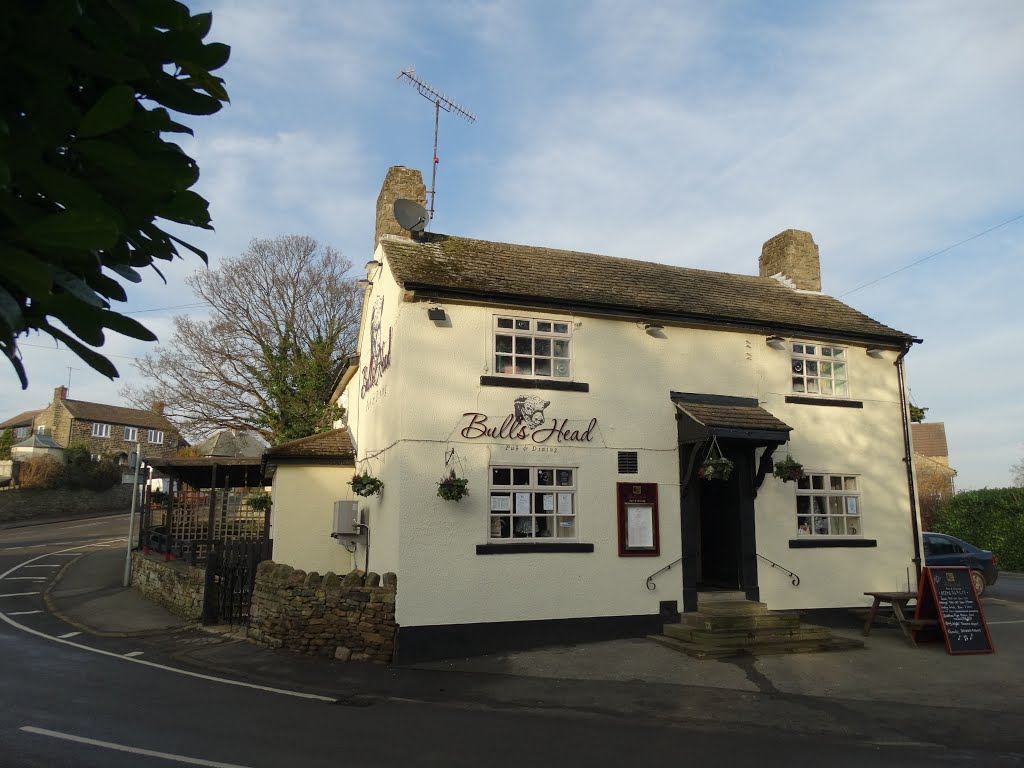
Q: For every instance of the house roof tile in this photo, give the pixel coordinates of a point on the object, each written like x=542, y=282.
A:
x=335, y=444
x=503, y=272
x=717, y=416
x=21, y=419
x=930, y=438
x=116, y=414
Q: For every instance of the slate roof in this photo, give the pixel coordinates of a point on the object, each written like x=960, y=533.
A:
x=116, y=414
x=930, y=439
x=334, y=446
x=21, y=419
x=733, y=417
x=38, y=441
x=447, y=266
x=230, y=442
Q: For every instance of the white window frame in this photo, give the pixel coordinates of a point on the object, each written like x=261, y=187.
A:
x=814, y=365
x=506, y=362
x=542, y=485
x=131, y=434
x=100, y=430
x=20, y=433
x=832, y=508
x=156, y=437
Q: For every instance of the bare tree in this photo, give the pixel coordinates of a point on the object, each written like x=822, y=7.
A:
x=283, y=319
x=1017, y=474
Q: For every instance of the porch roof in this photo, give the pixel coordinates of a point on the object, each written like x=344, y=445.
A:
x=197, y=471
x=741, y=418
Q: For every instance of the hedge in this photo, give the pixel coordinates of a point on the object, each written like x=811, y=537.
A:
x=992, y=518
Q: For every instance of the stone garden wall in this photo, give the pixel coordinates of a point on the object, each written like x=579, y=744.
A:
x=350, y=618
x=37, y=503
x=175, y=585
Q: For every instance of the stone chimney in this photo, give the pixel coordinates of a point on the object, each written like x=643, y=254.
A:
x=399, y=182
x=60, y=393
x=158, y=407
x=794, y=255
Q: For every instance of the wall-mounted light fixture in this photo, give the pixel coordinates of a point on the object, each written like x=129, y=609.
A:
x=874, y=352
x=775, y=342
x=372, y=264
x=436, y=314
x=653, y=329
x=364, y=282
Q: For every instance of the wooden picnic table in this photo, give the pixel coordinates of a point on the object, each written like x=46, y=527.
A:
x=899, y=602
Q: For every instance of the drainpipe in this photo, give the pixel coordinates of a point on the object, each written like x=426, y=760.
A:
x=908, y=457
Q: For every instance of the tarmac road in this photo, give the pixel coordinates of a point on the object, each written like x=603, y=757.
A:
x=73, y=699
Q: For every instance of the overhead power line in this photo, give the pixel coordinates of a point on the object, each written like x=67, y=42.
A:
x=932, y=256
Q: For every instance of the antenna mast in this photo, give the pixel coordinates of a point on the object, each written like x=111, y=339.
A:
x=440, y=102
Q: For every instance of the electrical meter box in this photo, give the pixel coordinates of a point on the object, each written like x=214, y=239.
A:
x=346, y=519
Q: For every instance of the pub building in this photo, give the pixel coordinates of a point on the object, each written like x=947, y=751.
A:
x=588, y=403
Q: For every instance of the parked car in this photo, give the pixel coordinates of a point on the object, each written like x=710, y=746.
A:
x=943, y=549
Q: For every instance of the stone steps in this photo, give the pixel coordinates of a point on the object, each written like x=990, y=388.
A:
x=726, y=624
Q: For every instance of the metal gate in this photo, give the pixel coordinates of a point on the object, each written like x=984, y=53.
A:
x=230, y=574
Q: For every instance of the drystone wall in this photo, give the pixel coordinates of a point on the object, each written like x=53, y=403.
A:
x=350, y=618
x=31, y=503
x=175, y=585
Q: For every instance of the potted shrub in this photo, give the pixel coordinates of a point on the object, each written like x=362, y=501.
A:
x=452, y=488
x=716, y=468
x=788, y=469
x=259, y=501
x=366, y=484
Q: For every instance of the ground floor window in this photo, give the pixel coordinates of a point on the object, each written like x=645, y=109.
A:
x=828, y=505
x=532, y=503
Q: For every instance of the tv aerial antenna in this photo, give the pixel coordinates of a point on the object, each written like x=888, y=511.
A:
x=440, y=102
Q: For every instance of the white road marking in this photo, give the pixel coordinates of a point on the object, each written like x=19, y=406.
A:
x=22, y=613
x=19, y=594
x=25, y=578
x=1014, y=621
x=131, y=654
x=64, y=554
x=69, y=634
x=224, y=680
x=131, y=750
x=81, y=525
x=55, y=565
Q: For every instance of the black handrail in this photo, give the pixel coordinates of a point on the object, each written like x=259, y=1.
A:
x=794, y=578
x=650, y=579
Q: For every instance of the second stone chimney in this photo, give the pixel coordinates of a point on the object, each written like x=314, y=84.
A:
x=60, y=393
x=158, y=407
x=399, y=182
x=794, y=255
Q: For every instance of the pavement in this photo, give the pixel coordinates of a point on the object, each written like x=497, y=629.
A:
x=887, y=690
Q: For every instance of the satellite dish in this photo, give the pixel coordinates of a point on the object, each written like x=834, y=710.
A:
x=410, y=215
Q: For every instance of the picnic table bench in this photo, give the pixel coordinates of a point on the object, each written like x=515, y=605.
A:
x=905, y=619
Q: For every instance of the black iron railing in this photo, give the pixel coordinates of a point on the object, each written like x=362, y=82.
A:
x=792, y=576
x=650, y=579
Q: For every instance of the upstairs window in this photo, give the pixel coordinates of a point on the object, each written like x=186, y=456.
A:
x=21, y=433
x=820, y=370
x=101, y=430
x=528, y=346
x=156, y=437
x=131, y=434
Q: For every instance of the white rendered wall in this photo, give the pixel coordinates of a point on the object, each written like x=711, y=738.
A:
x=303, y=515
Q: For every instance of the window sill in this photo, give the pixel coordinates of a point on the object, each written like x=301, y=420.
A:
x=836, y=403
x=522, y=383
x=816, y=543
x=533, y=546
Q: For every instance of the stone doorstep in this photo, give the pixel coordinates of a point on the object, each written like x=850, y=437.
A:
x=740, y=639
x=768, y=649
x=701, y=620
x=706, y=598
x=733, y=608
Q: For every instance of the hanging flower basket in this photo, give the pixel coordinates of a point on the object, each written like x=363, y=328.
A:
x=366, y=485
x=788, y=469
x=259, y=501
x=452, y=488
x=716, y=468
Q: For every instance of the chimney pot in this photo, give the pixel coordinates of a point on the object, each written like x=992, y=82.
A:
x=399, y=182
x=794, y=255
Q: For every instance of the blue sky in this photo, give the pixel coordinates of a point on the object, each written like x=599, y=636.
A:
x=686, y=133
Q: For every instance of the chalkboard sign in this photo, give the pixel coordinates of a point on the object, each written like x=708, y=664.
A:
x=947, y=594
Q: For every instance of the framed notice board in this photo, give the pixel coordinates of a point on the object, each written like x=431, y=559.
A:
x=638, y=519
x=947, y=595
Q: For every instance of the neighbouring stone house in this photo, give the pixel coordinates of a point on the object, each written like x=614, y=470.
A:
x=20, y=425
x=108, y=430
x=931, y=464
x=581, y=397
